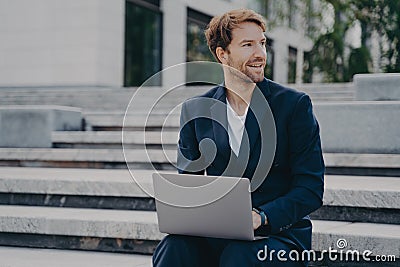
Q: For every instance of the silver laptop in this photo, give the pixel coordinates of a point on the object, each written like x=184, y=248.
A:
x=206, y=206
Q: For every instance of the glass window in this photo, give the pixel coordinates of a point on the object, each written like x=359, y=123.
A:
x=292, y=14
x=307, y=68
x=292, y=65
x=269, y=68
x=143, y=42
x=197, y=48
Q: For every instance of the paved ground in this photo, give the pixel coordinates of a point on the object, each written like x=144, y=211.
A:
x=32, y=257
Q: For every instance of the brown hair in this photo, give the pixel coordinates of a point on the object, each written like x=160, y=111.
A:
x=219, y=30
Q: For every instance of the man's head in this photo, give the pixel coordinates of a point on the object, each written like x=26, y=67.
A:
x=237, y=39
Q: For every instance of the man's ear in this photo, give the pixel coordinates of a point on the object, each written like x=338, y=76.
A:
x=221, y=54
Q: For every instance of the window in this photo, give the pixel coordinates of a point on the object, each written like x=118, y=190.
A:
x=197, y=49
x=307, y=68
x=269, y=68
x=292, y=14
x=143, y=42
x=292, y=65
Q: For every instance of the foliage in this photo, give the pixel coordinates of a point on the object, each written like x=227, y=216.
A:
x=331, y=55
x=382, y=16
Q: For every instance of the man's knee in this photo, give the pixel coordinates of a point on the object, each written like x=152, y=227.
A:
x=176, y=243
x=177, y=250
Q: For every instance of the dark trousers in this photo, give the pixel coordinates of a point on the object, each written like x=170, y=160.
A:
x=182, y=251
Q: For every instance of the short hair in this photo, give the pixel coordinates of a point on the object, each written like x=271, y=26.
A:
x=219, y=30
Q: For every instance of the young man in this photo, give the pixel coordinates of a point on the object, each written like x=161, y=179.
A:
x=290, y=190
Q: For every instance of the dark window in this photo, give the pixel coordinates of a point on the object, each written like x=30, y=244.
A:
x=197, y=48
x=269, y=68
x=307, y=68
x=143, y=42
x=292, y=65
x=292, y=14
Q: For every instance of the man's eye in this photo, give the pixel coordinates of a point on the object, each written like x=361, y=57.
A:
x=247, y=44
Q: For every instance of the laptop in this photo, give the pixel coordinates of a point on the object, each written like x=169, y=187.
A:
x=207, y=206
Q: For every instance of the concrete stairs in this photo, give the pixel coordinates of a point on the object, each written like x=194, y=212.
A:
x=117, y=99
x=107, y=210
x=22, y=257
x=79, y=194
x=165, y=159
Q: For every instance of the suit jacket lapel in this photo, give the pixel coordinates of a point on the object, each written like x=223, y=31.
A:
x=220, y=123
x=256, y=113
x=255, y=116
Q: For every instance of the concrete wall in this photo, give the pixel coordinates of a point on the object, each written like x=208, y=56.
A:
x=31, y=125
x=359, y=126
x=56, y=42
x=379, y=86
x=81, y=42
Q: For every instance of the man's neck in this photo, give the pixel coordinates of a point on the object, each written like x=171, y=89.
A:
x=239, y=94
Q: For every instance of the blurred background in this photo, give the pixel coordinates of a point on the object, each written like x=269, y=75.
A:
x=124, y=42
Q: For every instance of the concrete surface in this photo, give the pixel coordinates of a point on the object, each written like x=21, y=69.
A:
x=378, y=86
x=34, y=257
x=350, y=191
x=359, y=127
x=379, y=238
x=31, y=125
x=169, y=156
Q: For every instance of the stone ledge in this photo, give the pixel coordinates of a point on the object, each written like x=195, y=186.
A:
x=80, y=222
x=136, y=137
x=351, y=191
x=14, y=257
x=359, y=126
x=31, y=126
x=351, y=160
x=362, y=191
x=379, y=86
x=379, y=238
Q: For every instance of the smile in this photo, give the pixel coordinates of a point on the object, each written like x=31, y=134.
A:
x=255, y=65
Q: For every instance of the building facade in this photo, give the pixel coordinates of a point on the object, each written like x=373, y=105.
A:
x=123, y=42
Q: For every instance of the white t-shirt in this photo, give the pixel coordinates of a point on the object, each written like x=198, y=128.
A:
x=236, y=125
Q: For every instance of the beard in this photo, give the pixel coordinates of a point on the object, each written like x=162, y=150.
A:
x=243, y=72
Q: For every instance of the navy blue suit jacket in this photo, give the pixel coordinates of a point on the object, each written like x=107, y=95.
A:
x=294, y=185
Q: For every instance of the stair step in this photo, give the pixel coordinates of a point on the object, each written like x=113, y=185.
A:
x=79, y=222
x=92, y=226
x=113, y=139
x=87, y=158
x=21, y=257
x=346, y=198
x=134, y=121
x=336, y=163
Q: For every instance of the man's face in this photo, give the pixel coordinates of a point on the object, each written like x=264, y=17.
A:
x=247, y=52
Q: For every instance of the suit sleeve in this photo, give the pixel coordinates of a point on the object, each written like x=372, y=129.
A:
x=189, y=158
x=307, y=171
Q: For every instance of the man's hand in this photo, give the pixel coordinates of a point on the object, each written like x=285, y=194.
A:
x=256, y=220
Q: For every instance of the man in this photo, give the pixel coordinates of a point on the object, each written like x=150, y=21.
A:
x=292, y=188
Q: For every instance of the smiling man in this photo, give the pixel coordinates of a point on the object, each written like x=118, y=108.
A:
x=290, y=190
